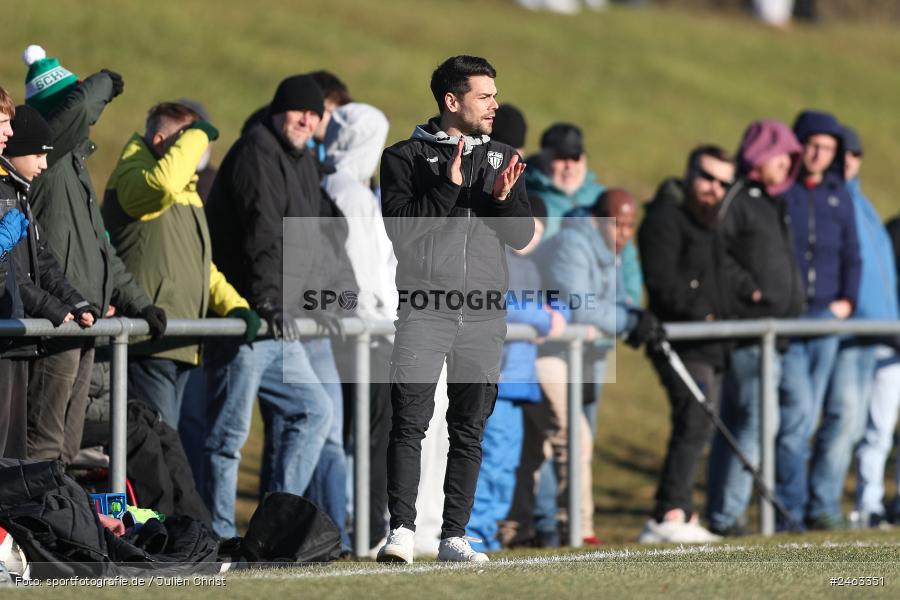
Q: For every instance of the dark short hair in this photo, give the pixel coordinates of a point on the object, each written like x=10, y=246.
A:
x=711, y=150
x=333, y=89
x=453, y=76
x=169, y=111
x=7, y=105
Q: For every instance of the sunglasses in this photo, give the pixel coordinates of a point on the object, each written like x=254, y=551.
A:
x=707, y=176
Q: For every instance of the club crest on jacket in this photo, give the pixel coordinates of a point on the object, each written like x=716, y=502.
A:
x=495, y=159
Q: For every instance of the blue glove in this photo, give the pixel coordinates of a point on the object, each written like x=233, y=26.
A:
x=13, y=229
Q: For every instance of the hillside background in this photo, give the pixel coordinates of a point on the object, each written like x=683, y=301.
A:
x=645, y=85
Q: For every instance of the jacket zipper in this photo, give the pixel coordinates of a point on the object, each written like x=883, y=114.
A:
x=466, y=237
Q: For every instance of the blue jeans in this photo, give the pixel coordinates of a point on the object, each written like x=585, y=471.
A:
x=328, y=486
x=878, y=436
x=730, y=485
x=843, y=423
x=237, y=375
x=808, y=365
x=501, y=448
x=193, y=426
x=159, y=383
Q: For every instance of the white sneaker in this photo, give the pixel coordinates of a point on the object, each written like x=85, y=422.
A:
x=457, y=549
x=675, y=529
x=399, y=546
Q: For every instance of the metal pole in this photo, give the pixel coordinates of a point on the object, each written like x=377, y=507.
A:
x=768, y=429
x=118, y=409
x=574, y=419
x=361, y=425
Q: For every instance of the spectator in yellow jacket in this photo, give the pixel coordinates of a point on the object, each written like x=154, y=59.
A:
x=156, y=222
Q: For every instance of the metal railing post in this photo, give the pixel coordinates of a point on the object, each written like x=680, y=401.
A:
x=768, y=429
x=118, y=408
x=361, y=425
x=574, y=419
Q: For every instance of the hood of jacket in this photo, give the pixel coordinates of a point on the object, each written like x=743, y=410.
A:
x=813, y=122
x=581, y=221
x=431, y=132
x=355, y=138
x=763, y=140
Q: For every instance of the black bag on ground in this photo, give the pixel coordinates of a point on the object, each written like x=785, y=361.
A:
x=290, y=529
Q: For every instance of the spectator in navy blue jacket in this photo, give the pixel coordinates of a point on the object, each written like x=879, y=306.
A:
x=827, y=252
x=503, y=434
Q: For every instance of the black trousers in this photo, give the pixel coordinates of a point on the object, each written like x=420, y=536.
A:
x=13, y=403
x=472, y=351
x=691, y=431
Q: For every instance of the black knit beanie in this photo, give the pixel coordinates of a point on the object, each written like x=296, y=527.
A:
x=31, y=134
x=300, y=92
x=509, y=126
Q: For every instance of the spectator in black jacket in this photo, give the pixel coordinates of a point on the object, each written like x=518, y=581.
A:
x=452, y=202
x=13, y=373
x=268, y=175
x=763, y=281
x=683, y=272
x=44, y=289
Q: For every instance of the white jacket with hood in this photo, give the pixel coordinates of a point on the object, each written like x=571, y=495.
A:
x=354, y=141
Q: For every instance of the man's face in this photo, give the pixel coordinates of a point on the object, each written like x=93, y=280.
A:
x=818, y=153
x=775, y=170
x=6, y=131
x=622, y=227
x=296, y=126
x=30, y=165
x=710, y=180
x=568, y=173
x=473, y=113
x=852, y=163
x=166, y=135
x=322, y=127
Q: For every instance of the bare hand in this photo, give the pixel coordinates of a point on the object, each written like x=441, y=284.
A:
x=114, y=525
x=111, y=311
x=69, y=317
x=87, y=319
x=503, y=185
x=454, y=167
x=592, y=334
x=841, y=308
x=756, y=296
x=557, y=322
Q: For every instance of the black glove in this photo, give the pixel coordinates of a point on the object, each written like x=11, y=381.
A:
x=648, y=331
x=156, y=319
x=250, y=318
x=206, y=127
x=279, y=326
x=83, y=308
x=330, y=323
x=117, y=82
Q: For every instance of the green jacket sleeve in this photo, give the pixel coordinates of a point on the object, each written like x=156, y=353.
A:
x=71, y=121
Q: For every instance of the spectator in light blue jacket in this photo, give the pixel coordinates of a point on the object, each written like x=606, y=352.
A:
x=580, y=262
x=847, y=400
x=502, y=444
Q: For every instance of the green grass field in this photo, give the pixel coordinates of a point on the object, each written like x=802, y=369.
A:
x=645, y=85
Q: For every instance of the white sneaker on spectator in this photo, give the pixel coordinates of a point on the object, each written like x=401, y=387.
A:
x=457, y=549
x=676, y=529
x=398, y=547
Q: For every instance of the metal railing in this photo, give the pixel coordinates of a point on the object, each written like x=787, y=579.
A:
x=119, y=330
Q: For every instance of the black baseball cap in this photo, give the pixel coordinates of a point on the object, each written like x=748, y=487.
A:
x=563, y=140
